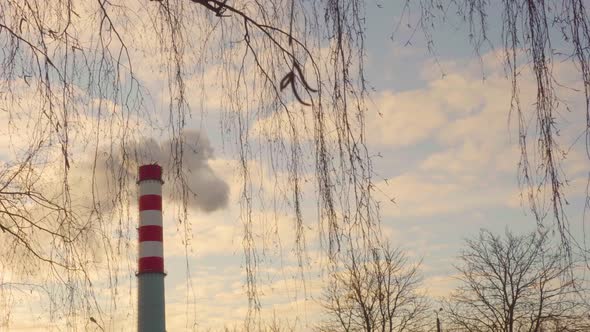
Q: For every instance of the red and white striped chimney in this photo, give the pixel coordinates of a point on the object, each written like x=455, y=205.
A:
x=151, y=250
x=151, y=300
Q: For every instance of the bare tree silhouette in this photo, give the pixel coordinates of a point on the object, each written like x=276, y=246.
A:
x=515, y=283
x=380, y=292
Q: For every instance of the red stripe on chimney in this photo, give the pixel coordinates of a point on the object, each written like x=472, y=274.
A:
x=150, y=172
x=151, y=264
x=150, y=202
x=150, y=233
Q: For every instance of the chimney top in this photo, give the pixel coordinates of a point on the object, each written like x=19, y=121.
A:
x=150, y=172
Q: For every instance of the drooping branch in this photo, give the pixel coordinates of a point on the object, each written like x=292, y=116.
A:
x=534, y=34
x=293, y=76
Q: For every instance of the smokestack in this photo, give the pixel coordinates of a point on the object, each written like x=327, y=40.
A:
x=151, y=312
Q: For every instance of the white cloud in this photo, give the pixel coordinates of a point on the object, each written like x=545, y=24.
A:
x=402, y=119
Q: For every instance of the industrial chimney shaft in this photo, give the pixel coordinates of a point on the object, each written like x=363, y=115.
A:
x=151, y=310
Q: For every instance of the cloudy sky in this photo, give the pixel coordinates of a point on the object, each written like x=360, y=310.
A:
x=448, y=156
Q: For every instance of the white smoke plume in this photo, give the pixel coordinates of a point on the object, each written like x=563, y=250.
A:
x=208, y=191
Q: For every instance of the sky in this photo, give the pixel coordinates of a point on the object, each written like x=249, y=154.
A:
x=448, y=155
